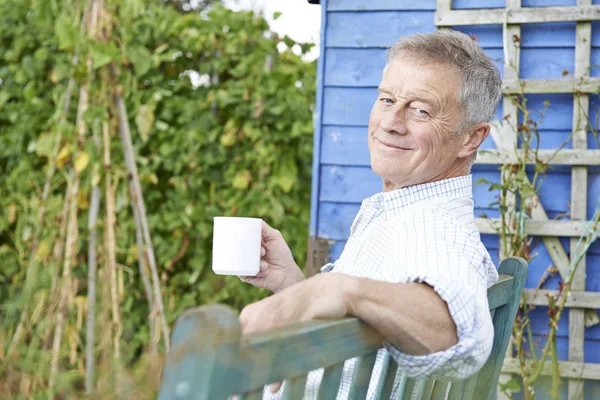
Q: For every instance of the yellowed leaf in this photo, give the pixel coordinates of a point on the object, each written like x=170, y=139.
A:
x=81, y=161
x=43, y=251
x=83, y=201
x=229, y=138
x=12, y=213
x=242, y=180
x=63, y=155
x=96, y=177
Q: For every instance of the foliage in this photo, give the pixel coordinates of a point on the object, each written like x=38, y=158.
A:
x=222, y=125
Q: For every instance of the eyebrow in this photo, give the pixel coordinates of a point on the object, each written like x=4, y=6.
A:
x=413, y=95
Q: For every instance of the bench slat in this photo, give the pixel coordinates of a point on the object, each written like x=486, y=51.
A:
x=440, y=390
x=294, y=388
x=362, y=376
x=406, y=387
x=331, y=381
x=456, y=389
x=389, y=369
x=428, y=388
x=501, y=292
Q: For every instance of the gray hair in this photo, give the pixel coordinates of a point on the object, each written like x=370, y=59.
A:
x=481, y=86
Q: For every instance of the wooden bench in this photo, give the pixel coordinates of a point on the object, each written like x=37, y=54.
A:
x=211, y=360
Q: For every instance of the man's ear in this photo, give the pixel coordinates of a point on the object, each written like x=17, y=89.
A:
x=473, y=138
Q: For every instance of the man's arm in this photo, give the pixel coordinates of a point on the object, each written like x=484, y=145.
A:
x=410, y=316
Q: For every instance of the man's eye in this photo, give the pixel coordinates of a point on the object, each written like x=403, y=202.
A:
x=420, y=111
x=386, y=100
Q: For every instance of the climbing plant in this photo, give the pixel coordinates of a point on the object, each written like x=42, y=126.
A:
x=125, y=127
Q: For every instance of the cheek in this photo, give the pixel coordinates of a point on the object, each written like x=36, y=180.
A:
x=374, y=119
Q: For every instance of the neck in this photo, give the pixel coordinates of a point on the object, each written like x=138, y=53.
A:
x=460, y=167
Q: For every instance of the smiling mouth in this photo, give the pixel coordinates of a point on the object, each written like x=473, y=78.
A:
x=391, y=146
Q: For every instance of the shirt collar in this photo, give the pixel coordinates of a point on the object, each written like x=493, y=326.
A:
x=393, y=201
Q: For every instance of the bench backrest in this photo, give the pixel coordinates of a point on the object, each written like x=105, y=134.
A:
x=211, y=360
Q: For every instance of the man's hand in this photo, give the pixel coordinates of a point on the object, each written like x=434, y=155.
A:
x=278, y=269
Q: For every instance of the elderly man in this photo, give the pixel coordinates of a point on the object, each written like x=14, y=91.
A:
x=414, y=267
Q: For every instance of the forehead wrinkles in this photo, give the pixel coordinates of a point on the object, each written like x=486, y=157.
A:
x=406, y=85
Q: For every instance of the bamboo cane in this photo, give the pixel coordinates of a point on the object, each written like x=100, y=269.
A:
x=137, y=202
x=72, y=232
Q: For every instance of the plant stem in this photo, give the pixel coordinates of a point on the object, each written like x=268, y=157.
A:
x=91, y=296
x=137, y=202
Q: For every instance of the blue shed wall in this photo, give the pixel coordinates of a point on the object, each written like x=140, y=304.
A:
x=355, y=34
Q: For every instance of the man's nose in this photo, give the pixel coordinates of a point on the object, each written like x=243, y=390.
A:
x=394, y=122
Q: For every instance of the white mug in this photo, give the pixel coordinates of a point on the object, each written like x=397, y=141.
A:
x=236, y=246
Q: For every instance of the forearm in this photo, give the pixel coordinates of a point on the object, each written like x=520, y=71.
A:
x=411, y=316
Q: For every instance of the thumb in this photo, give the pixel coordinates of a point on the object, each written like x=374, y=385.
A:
x=269, y=233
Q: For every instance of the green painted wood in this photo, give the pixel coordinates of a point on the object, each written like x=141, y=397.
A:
x=419, y=390
x=401, y=387
x=387, y=378
x=501, y=292
x=255, y=395
x=487, y=378
x=456, y=389
x=440, y=389
x=405, y=390
x=331, y=381
x=428, y=388
x=210, y=360
x=362, y=376
x=294, y=388
x=469, y=388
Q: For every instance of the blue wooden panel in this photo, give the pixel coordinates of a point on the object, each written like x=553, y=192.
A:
x=345, y=145
x=478, y=4
x=546, y=63
x=336, y=219
x=375, y=29
x=473, y=4
x=592, y=282
x=348, y=184
x=591, y=389
x=366, y=5
x=559, y=114
x=336, y=250
x=596, y=31
x=363, y=67
x=348, y=106
x=487, y=36
x=595, y=62
x=556, y=34
x=593, y=194
x=548, y=3
x=354, y=67
x=553, y=139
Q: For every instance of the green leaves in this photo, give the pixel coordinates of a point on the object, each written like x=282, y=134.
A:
x=242, y=180
x=287, y=174
x=66, y=32
x=144, y=121
x=103, y=54
x=141, y=59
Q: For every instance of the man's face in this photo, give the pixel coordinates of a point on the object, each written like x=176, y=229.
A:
x=413, y=124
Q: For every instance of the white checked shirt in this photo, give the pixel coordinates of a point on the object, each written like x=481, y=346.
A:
x=424, y=233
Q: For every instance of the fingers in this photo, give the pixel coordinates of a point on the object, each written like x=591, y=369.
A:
x=263, y=251
x=274, y=387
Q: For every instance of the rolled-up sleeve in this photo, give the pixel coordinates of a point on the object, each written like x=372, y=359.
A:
x=452, y=260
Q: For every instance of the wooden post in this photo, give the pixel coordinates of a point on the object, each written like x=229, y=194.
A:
x=511, y=36
x=579, y=194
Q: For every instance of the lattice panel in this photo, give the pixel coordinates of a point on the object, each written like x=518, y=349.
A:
x=581, y=304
